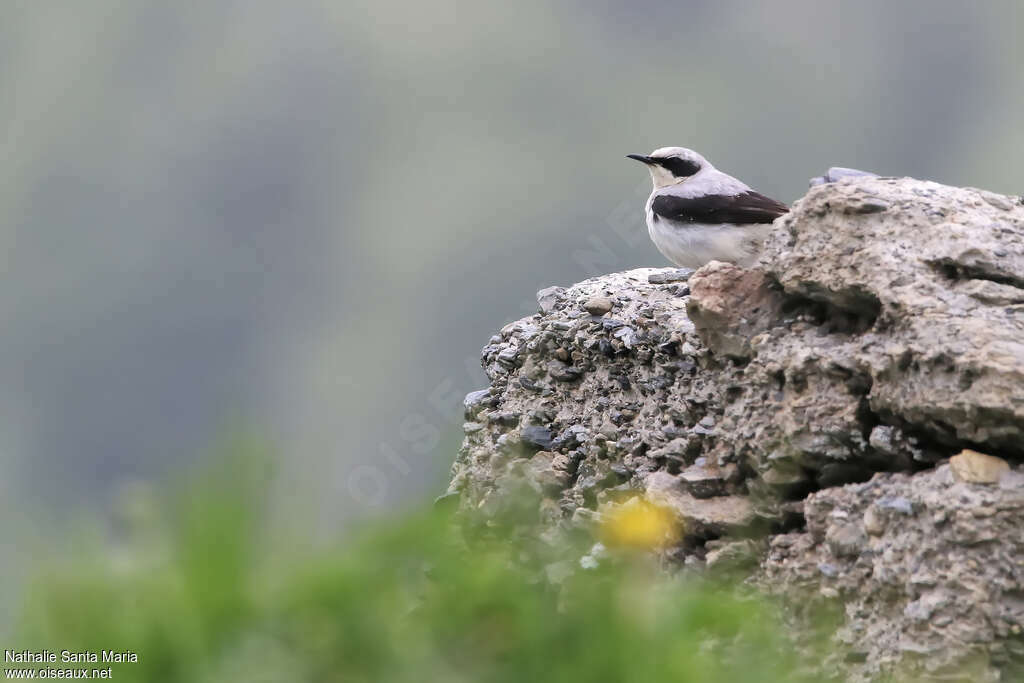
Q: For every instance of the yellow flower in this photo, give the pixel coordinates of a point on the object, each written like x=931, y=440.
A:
x=641, y=524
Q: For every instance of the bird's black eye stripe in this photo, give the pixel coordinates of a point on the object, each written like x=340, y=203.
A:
x=680, y=168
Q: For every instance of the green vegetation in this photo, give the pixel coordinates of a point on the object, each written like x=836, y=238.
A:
x=199, y=593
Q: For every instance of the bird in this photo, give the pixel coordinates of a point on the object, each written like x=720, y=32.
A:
x=697, y=214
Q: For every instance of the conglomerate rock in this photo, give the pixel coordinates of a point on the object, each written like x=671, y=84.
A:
x=881, y=334
x=929, y=570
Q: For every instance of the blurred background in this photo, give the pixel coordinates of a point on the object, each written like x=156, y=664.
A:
x=302, y=220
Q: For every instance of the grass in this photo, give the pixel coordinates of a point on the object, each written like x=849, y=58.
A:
x=407, y=600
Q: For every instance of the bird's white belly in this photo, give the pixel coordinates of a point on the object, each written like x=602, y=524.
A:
x=691, y=245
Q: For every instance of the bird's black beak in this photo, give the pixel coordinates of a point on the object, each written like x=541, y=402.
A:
x=641, y=158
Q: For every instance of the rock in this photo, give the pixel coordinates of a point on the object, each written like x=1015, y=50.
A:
x=819, y=394
x=785, y=478
x=949, y=365
x=704, y=481
x=475, y=401
x=731, y=556
x=549, y=297
x=837, y=173
x=977, y=468
x=537, y=437
x=846, y=540
x=944, y=589
x=730, y=305
x=670, y=275
x=597, y=305
x=508, y=357
x=868, y=205
x=543, y=477
x=562, y=372
x=698, y=517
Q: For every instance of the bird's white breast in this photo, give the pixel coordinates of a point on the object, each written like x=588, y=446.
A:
x=691, y=245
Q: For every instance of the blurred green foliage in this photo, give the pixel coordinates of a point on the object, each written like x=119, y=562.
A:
x=195, y=586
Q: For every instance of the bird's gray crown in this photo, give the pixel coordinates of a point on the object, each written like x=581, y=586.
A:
x=679, y=161
x=673, y=165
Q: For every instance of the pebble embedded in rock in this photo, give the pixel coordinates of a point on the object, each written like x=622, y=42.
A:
x=977, y=468
x=869, y=205
x=897, y=504
x=874, y=524
x=704, y=481
x=597, y=305
x=839, y=173
x=563, y=372
x=475, y=400
x=670, y=275
x=845, y=540
x=548, y=298
x=997, y=200
x=538, y=437
x=728, y=556
x=508, y=357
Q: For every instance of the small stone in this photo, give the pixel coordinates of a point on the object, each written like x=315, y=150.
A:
x=529, y=384
x=840, y=172
x=670, y=275
x=548, y=297
x=785, y=477
x=837, y=173
x=869, y=205
x=874, y=524
x=703, y=481
x=543, y=477
x=509, y=357
x=881, y=439
x=977, y=468
x=620, y=470
x=996, y=200
x=504, y=418
x=538, y=437
x=563, y=372
x=597, y=305
x=845, y=540
x=475, y=400
x=896, y=504
x=733, y=556
x=627, y=335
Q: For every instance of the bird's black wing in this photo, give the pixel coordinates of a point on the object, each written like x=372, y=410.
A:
x=749, y=207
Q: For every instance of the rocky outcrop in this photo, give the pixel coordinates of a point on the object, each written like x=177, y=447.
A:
x=811, y=403
x=928, y=569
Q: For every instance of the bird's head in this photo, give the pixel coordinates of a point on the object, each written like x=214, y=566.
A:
x=672, y=165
